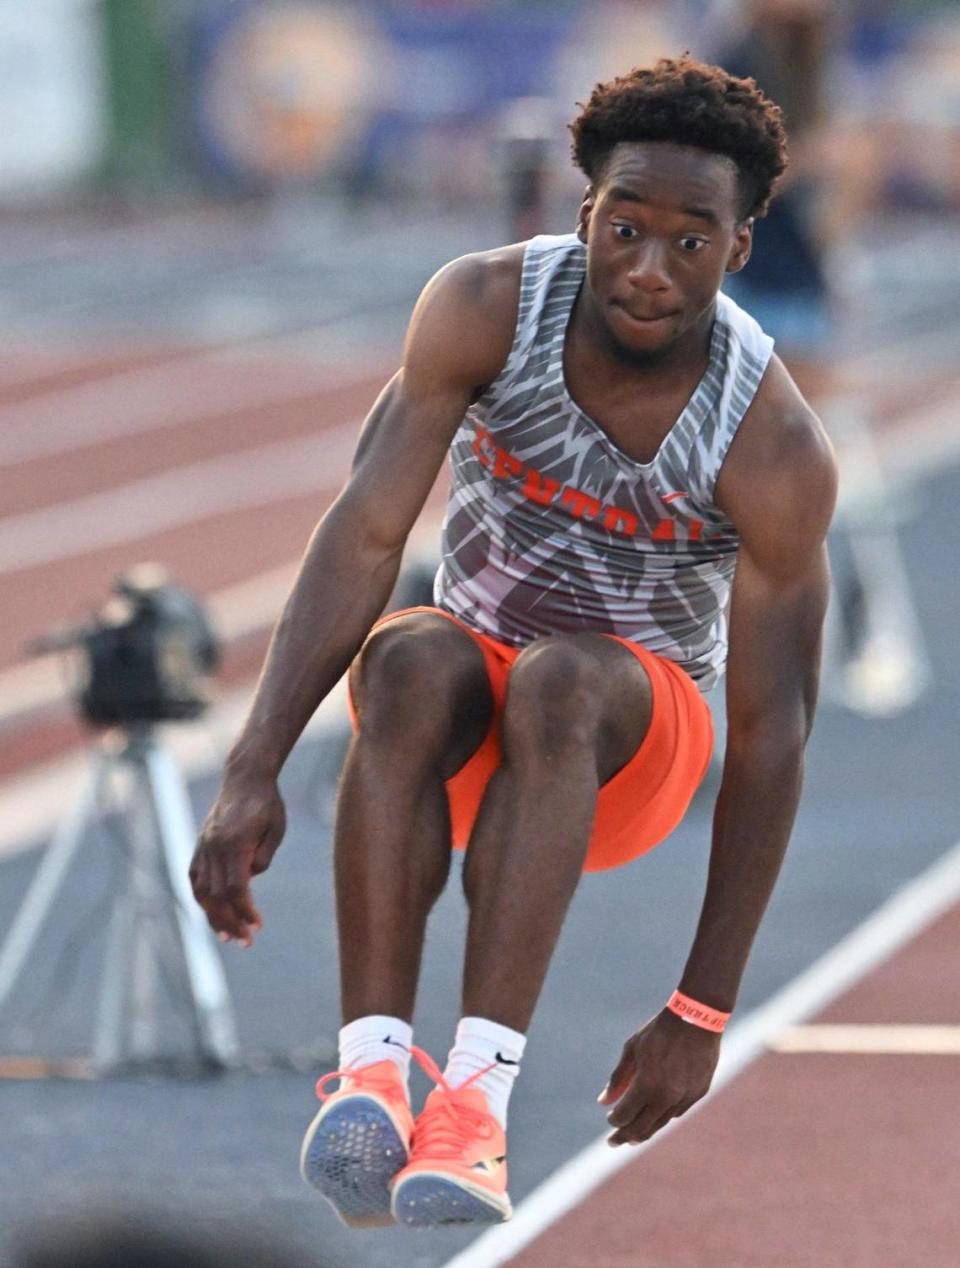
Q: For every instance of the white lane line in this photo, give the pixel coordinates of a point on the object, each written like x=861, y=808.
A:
x=187, y=390
x=898, y=920
x=180, y=495
x=867, y=1038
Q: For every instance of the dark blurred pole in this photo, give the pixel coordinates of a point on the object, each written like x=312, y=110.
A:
x=525, y=139
x=138, y=66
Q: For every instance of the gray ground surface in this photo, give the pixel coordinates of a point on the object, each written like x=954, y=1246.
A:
x=882, y=801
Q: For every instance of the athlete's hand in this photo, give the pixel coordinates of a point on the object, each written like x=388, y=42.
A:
x=665, y=1068
x=238, y=841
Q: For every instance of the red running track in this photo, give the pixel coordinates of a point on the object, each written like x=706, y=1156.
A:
x=807, y=1160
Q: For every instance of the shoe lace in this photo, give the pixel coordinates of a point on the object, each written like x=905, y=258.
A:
x=362, y=1079
x=451, y=1122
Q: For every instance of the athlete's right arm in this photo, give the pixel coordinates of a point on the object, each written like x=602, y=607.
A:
x=458, y=341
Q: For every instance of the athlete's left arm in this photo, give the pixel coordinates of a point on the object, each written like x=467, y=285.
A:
x=779, y=487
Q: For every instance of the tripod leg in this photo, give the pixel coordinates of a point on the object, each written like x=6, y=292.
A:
x=48, y=879
x=208, y=981
x=108, y=1044
x=148, y=896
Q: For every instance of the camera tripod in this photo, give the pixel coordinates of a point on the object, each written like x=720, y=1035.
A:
x=156, y=914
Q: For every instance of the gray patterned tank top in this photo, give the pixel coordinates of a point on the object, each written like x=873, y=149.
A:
x=550, y=528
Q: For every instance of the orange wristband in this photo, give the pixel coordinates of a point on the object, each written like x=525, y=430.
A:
x=697, y=1014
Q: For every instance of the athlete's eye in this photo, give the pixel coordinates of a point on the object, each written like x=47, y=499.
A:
x=692, y=244
x=625, y=232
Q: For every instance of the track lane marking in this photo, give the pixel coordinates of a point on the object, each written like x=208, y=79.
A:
x=868, y=1038
x=904, y=915
x=180, y=495
x=34, y=365
x=171, y=394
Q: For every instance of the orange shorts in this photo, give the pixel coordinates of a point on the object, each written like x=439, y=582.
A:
x=645, y=800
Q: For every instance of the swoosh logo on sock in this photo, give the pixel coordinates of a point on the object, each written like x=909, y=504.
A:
x=395, y=1042
x=502, y=1060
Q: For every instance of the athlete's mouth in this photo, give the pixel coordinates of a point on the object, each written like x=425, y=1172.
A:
x=644, y=318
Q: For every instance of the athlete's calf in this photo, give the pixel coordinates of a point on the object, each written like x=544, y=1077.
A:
x=577, y=710
x=423, y=705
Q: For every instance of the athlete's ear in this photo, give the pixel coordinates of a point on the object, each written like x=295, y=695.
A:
x=742, y=246
x=585, y=212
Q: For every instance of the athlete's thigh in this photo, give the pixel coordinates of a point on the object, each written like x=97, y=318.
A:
x=423, y=676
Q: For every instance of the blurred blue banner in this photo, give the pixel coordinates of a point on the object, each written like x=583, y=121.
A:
x=285, y=92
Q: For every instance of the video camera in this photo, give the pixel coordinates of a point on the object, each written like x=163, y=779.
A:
x=147, y=653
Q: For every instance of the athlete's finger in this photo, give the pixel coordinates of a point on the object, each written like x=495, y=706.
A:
x=224, y=920
x=645, y=1132
x=240, y=902
x=652, y=1118
x=237, y=873
x=198, y=873
x=633, y=1127
x=619, y=1080
x=687, y=1103
x=263, y=854
x=216, y=877
x=634, y=1101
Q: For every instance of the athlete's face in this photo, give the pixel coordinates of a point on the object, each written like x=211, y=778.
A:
x=661, y=228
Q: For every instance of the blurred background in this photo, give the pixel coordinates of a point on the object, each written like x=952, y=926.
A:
x=215, y=216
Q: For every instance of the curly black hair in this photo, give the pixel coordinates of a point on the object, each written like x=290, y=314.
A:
x=689, y=103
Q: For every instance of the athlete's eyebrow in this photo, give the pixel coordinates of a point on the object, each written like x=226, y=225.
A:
x=621, y=194
x=702, y=213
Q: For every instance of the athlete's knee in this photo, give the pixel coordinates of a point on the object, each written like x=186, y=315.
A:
x=411, y=673
x=554, y=699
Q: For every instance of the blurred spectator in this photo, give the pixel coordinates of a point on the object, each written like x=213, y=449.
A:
x=783, y=45
x=109, y=1240
x=799, y=285
x=527, y=130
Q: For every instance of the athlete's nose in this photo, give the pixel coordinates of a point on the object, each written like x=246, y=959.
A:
x=648, y=271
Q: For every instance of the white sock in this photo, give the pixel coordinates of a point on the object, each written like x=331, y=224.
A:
x=376, y=1038
x=479, y=1044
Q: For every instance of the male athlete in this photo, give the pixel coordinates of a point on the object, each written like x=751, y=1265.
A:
x=627, y=457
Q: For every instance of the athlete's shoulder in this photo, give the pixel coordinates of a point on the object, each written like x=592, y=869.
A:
x=781, y=464
x=465, y=318
x=786, y=429
x=487, y=281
